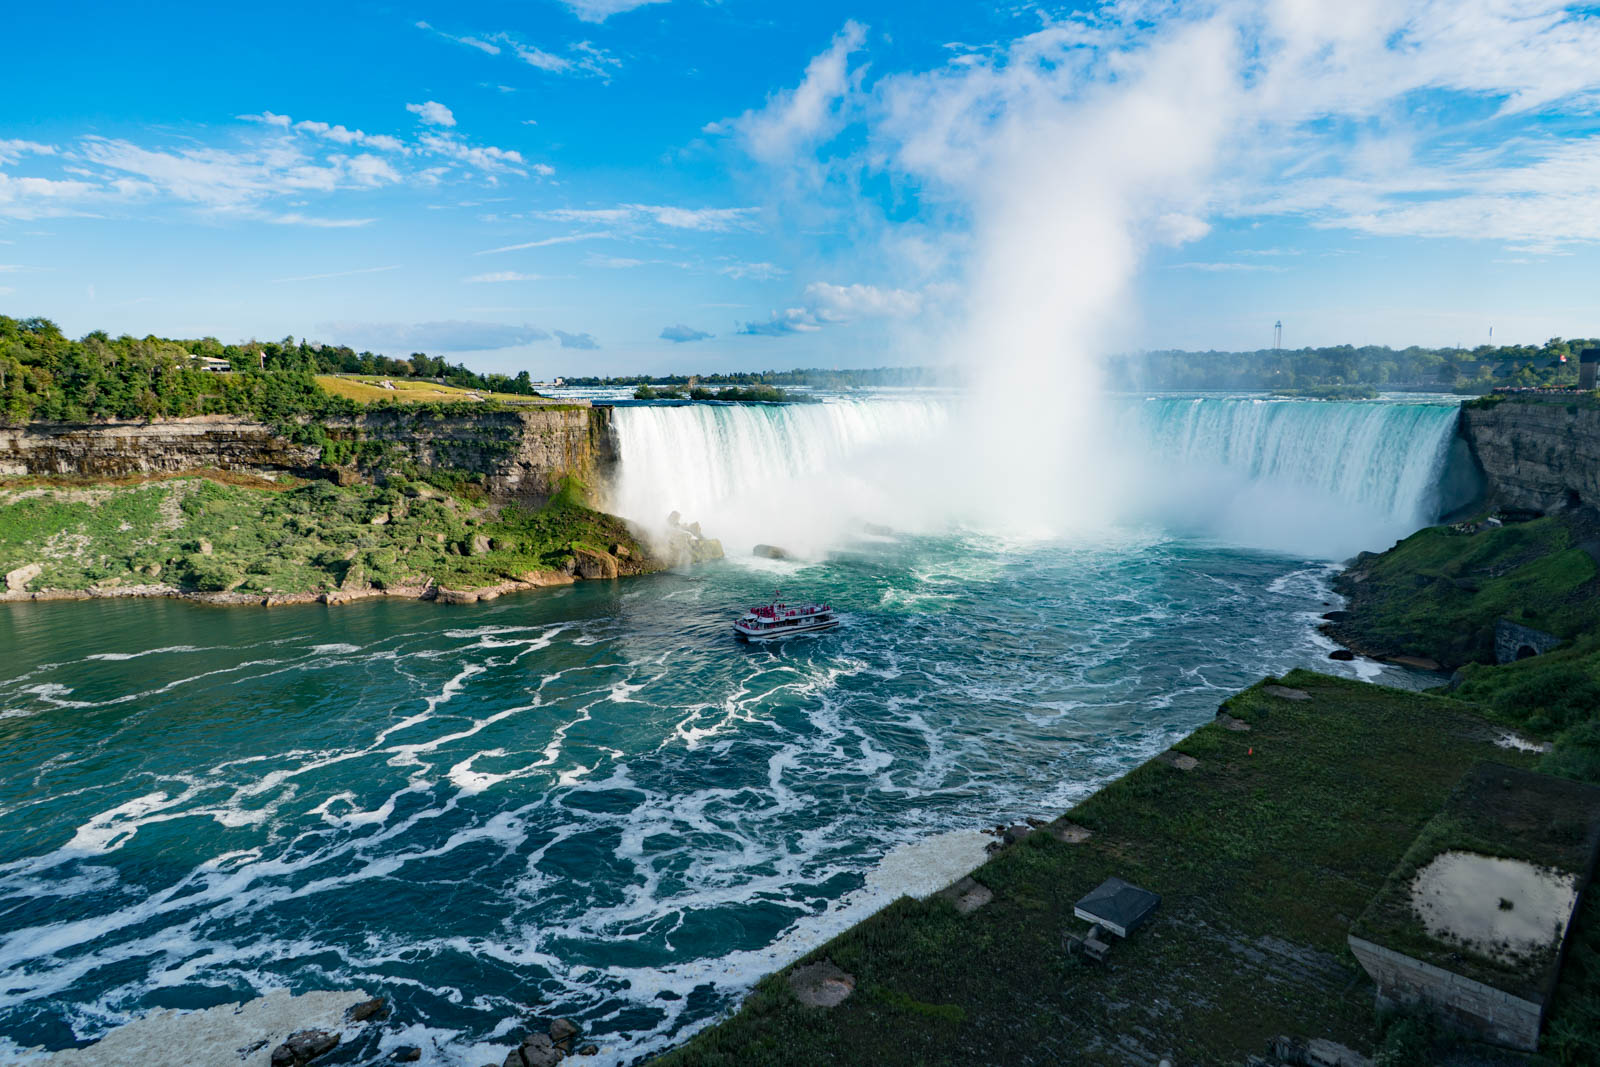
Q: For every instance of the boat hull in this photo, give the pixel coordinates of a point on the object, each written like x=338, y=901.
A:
x=779, y=633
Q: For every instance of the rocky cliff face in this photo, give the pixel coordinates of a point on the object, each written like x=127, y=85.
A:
x=1539, y=454
x=522, y=455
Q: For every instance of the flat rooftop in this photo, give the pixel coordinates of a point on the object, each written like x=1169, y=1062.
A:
x=1490, y=885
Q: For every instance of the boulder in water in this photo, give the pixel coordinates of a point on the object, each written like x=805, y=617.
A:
x=406, y=1054
x=376, y=1008
x=771, y=552
x=303, y=1047
x=562, y=1031
x=1342, y=654
x=536, y=1051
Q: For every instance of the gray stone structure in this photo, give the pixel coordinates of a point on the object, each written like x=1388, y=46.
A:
x=1501, y=1017
x=1514, y=641
x=1549, y=826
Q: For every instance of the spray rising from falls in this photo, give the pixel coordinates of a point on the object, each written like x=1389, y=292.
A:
x=1312, y=478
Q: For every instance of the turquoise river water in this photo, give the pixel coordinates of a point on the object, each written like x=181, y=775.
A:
x=590, y=801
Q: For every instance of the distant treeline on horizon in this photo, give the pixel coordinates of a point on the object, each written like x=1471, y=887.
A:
x=1461, y=370
x=814, y=377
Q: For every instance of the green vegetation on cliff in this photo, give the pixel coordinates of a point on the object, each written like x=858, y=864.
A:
x=1263, y=853
x=46, y=376
x=1439, y=592
x=210, y=536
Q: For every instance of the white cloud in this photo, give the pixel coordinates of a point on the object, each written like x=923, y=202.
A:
x=797, y=118
x=681, y=334
x=863, y=301
x=1227, y=266
x=761, y=272
x=542, y=243
x=576, y=340
x=13, y=150
x=296, y=219
x=505, y=276
x=488, y=159
x=433, y=113
x=400, y=338
x=705, y=219
x=487, y=47
x=611, y=262
x=582, y=58
x=782, y=323
x=600, y=10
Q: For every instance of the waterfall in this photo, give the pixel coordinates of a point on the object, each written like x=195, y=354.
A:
x=1330, y=476
x=1308, y=477
x=759, y=471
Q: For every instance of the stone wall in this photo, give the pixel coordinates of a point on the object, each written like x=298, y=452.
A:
x=522, y=454
x=1539, y=454
x=1510, y=638
x=1465, y=1004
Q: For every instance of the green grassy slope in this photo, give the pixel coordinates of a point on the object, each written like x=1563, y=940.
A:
x=1263, y=853
x=211, y=536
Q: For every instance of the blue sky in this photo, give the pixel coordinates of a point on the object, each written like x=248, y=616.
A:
x=573, y=186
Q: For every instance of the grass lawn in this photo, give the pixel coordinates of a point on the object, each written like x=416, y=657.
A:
x=1263, y=854
x=410, y=391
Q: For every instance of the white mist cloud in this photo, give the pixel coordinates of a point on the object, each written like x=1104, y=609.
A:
x=1046, y=167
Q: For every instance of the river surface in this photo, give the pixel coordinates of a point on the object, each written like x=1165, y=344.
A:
x=590, y=801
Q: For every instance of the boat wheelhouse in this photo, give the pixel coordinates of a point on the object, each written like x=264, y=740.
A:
x=768, y=622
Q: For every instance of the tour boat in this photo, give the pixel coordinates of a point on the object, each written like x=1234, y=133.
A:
x=768, y=622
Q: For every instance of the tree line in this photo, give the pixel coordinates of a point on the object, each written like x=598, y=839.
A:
x=1462, y=370
x=45, y=375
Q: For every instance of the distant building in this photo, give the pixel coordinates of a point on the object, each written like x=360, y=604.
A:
x=213, y=365
x=1589, y=369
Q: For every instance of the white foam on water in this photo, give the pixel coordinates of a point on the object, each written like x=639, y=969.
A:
x=119, y=656
x=212, y=1037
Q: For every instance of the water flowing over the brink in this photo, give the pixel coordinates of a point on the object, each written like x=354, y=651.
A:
x=1299, y=476
x=1385, y=457
x=723, y=463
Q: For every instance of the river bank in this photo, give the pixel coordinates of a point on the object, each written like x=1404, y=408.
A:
x=230, y=539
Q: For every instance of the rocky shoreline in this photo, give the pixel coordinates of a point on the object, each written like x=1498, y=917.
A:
x=428, y=590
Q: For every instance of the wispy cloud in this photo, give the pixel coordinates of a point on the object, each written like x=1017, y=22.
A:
x=487, y=47
x=782, y=323
x=761, y=272
x=1226, y=266
x=399, y=338
x=337, y=274
x=543, y=242
x=294, y=218
x=576, y=340
x=681, y=334
x=600, y=10
x=505, y=276
x=580, y=58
